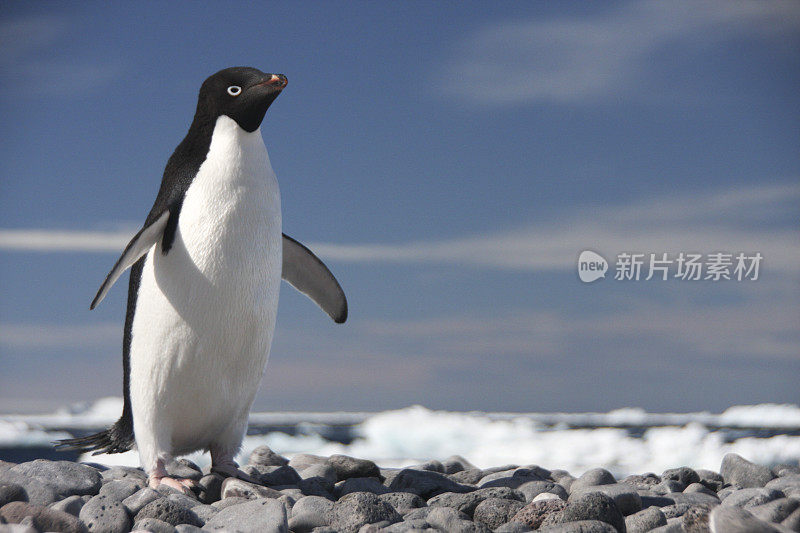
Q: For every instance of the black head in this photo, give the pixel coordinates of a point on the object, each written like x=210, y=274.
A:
x=241, y=93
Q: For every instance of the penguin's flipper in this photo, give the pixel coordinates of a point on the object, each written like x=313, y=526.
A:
x=306, y=273
x=139, y=245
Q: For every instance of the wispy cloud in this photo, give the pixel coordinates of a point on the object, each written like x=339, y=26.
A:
x=33, y=57
x=731, y=220
x=59, y=336
x=572, y=58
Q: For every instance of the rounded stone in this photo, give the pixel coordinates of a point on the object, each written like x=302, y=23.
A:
x=310, y=512
x=737, y=470
x=494, y=512
x=347, y=467
x=168, y=511
x=591, y=506
x=251, y=516
x=70, y=504
x=263, y=455
x=66, y=477
x=359, y=508
x=42, y=518
x=535, y=513
x=12, y=492
x=104, y=514
x=592, y=478
x=153, y=525
x=645, y=520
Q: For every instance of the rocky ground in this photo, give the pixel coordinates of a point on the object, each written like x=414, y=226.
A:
x=345, y=494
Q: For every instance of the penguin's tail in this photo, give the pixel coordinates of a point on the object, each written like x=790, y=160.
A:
x=116, y=439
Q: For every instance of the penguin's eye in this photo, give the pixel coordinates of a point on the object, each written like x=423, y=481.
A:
x=234, y=90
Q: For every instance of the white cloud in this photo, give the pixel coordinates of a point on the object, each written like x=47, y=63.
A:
x=731, y=220
x=567, y=59
x=59, y=336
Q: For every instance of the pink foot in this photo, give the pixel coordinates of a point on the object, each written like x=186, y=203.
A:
x=181, y=484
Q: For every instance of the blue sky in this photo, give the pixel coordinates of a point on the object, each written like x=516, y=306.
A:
x=449, y=161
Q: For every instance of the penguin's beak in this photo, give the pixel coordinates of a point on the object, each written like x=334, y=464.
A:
x=274, y=81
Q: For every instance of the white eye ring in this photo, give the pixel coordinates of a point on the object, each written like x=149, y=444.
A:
x=234, y=90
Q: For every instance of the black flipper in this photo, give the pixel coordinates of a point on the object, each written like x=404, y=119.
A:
x=139, y=245
x=306, y=273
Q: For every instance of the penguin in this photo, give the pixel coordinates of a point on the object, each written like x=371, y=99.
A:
x=206, y=268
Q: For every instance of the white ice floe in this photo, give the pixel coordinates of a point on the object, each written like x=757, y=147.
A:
x=574, y=442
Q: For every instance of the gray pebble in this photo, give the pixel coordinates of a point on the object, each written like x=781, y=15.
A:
x=711, y=479
x=186, y=528
x=776, y=510
x=301, y=461
x=36, y=492
x=322, y=471
x=456, y=463
x=119, y=489
x=695, y=520
x=737, y=470
x=675, y=510
x=359, y=484
x=513, y=527
x=210, y=487
x=535, y=513
x=625, y=497
x=17, y=528
x=667, y=486
x=403, y=500
x=531, y=489
x=316, y=486
x=356, y=509
x=184, y=468
x=684, y=474
x=751, y=497
x=262, y=515
x=347, y=467
x=228, y=502
x=450, y=520
x=134, y=503
x=432, y=466
x=263, y=455
x=792, y=521
x=728, y=519
x=41, y=518
x=694, y=498
x=106, y=515
x=642, y=481
x=233, y=487
x=785, y=482
x=66, y=477
x=699, y=487
x=277, y=475
x=494, y=512
x=154, y=525
x=470, y=476
x=589, y=506
x=425, y=484
x=310, y=512
x=169, y=511
x=592, y=478
x=580, y=526
x=645, y=520
x=135, y=475
x=467, y=502
x=12, y=492
x=70, y=504
x=410, y=526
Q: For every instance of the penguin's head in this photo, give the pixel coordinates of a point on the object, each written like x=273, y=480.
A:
x=241, y=93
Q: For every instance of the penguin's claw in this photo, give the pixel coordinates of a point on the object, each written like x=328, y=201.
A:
x=183, y=485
